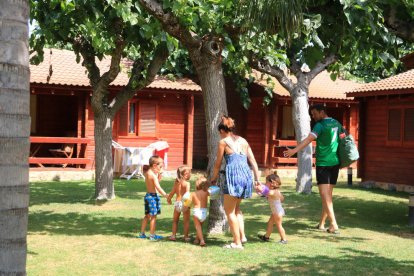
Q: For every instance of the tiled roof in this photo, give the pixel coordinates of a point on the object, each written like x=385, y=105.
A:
x=398, y=82
x=321, y=87
x=66, y=71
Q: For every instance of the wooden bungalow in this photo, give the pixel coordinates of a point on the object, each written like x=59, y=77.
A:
x=386, y=133
x=269, y=128
x=170, y=111
x=62, y=115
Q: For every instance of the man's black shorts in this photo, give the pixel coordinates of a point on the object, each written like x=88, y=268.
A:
x=327, y=175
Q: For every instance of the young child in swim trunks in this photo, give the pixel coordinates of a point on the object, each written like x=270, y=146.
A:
x=152, y=200
x=180, y=188
x=199, y=199
x=275, y=199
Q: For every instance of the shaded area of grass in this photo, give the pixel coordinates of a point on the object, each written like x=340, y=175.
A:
x=362, y=262
x=66, y=229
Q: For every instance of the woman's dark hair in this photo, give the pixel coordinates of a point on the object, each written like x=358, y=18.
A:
x=226, y=124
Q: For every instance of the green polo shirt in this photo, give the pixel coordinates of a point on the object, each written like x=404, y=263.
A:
x=327, y=133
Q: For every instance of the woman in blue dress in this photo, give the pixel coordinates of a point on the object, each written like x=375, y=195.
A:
x=239, y=179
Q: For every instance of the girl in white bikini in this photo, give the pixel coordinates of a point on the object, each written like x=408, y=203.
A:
x=275, y=199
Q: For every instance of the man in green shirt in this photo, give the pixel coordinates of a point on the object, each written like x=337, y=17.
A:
x=326, y=133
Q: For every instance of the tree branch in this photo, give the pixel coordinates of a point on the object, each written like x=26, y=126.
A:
x=264, y=67
x=294, y=67
x=88, y=54
x=320, y=66
x=137, y=81
x=402, y=29
x=170, y=23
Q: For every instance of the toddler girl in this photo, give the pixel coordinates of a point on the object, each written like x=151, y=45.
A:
x=275, y=199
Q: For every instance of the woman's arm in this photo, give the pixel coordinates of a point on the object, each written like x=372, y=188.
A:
x=253, y=163
x=219, y=158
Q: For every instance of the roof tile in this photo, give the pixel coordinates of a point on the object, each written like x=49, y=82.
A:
x=401, y=81
x=66, y=71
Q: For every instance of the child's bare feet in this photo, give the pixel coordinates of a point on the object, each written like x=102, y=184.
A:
x=202, y=243
x=172, y=238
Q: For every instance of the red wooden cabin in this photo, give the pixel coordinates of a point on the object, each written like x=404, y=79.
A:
x=386, y=131
x=62, y=115
x=269, y=129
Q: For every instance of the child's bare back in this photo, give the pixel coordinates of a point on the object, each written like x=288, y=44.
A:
x=180, y=188
x=200, y=199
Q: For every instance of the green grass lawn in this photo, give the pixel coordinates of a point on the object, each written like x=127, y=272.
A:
x=69, y=235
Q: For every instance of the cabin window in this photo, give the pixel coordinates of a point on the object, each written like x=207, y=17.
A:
x=400, y=126
x=131, y=118
x=138, y=118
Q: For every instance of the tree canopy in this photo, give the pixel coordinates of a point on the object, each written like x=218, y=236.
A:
x=94, y=30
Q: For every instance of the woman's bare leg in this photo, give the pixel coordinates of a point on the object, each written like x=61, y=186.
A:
x=240, y=219
x=230, y=203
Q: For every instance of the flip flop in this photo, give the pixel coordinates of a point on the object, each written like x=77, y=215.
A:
x=334, y=231
x=202, y=244
x=196, y=241
x=233, y=246
x=318, y=228
x=263, y=238
x=172, y=238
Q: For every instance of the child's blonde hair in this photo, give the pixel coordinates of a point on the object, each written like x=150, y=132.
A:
x=274, y=178
x=181, y=171
x=201, y=183
x=155, y=159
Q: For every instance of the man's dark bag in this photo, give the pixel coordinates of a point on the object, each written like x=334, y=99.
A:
x=347, y=151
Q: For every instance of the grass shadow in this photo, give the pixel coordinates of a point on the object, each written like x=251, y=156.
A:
x=359, y=260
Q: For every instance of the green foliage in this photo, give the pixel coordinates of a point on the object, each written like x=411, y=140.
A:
x=99, y=24
x=274, y=16
x=351, y=30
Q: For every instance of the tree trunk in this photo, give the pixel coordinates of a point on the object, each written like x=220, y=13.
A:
x=104, y=187
x=207, y=63
x=301, y=122
x=14, y=135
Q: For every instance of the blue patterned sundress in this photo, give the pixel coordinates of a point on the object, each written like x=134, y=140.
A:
x=239, y=178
